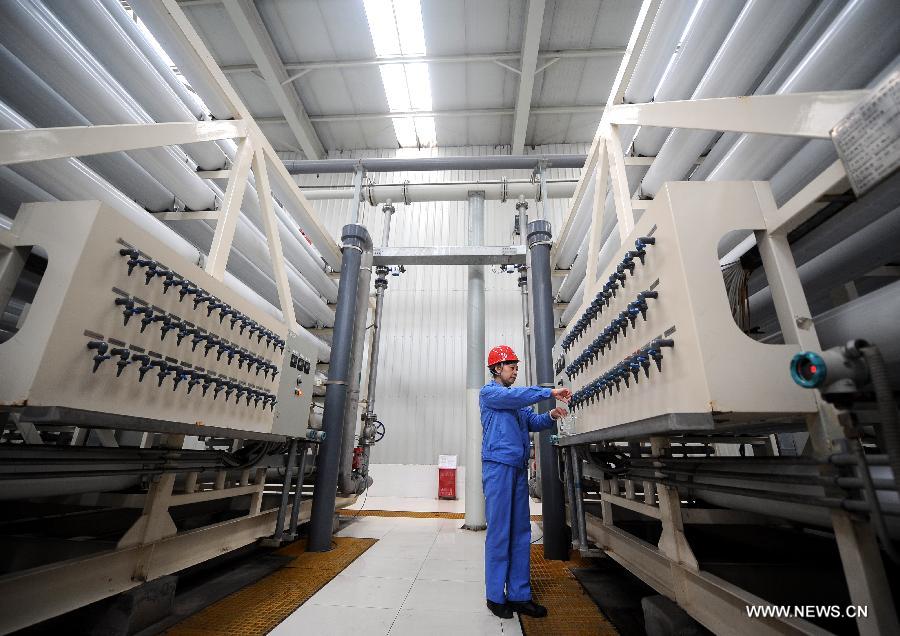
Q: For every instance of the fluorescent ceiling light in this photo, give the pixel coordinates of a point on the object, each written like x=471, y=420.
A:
x=396, y=28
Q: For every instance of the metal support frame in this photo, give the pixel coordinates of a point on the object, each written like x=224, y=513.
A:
x=231, y=210
x=477, y=58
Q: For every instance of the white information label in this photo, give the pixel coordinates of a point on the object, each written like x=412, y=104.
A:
x=868, y=139
x=446, y=461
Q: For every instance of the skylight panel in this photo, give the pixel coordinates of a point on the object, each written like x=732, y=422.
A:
x=396, y=28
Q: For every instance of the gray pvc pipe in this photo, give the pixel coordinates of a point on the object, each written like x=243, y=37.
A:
x=475, y=369
x=351, y=408
x=425, y=164
x=355, y=240
x=552, y=499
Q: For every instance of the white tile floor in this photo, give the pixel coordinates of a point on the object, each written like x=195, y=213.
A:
x=423, y=576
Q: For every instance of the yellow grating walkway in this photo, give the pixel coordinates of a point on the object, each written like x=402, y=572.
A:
x=571, y=612
x=410, y=515
x=259, y=608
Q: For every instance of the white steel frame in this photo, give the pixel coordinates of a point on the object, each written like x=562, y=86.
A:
x=670, y=567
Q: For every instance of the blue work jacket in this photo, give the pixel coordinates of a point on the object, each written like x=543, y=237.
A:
x=506, y=421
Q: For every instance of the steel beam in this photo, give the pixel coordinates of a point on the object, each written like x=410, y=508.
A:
x=809, y=115
x=258, y=41
x=463, y=112
x=38, y=144
x=451, y=255
x=231, y=210
x=531, y=39
x=479, y=58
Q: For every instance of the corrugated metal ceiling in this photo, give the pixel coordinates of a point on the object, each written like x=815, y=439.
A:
x=327, y=30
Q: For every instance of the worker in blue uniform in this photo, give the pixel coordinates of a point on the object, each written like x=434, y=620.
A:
x=506, y=420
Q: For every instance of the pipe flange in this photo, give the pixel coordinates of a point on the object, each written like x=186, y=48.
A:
x=356, y=236
x=370, y=191
x=388, y=208
x=521, y=205
x=539, y=233
x=406, y=200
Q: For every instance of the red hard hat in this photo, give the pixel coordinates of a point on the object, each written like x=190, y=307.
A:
x=501, y=353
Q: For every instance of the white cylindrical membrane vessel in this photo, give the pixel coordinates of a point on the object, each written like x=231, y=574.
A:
x=71, y=180
x=760, y=29
x=868, y=27
x=188, y=97
x=97, y=30
x=31, y=97
x=705, y=31
x=566, y=253
x=31, y=32
x=160, y=23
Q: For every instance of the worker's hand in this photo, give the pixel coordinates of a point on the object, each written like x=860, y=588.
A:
x=559, y=412
x=562, y=394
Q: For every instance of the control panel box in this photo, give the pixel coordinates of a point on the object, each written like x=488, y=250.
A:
x=123, y=325
x=295, y=389
x=655, y=334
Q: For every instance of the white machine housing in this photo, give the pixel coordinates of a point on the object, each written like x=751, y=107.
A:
x=48, y=368
x=715, y=374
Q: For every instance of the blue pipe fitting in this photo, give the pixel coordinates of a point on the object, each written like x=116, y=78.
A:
x=808, y=369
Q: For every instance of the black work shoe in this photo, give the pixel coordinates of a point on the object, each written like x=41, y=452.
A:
x=501, y=610
x=529, y=608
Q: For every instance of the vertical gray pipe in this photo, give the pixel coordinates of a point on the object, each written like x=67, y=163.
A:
x=522, y=209
x=351, y=409
x=298, y=493
x=475, y=370
x=581, y=532
x=380, y=287
x=285, y=490
x=539, y=242
x=570, y=495
x=355, y=240
x=369, y=417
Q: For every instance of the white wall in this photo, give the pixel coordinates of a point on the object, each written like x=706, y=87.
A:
x=421, y=377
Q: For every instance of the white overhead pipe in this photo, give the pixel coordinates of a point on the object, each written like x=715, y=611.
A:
x=297, y=250
x=667, y=27
x=34, y=34
x=703, y=35
x=100, y=32
x=459, y=191
x=798, y=56
x=188, y=97
x=574, y=303
x=567, y=253
x=71, y=180
x=760, y=29
x=863, y=25
x=800, y=44
x=867, y=28
x=29, y=95
x=168, y=35
x=634, y=175
x=290, y=240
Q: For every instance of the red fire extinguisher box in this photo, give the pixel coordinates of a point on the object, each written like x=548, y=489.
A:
x=447, y=477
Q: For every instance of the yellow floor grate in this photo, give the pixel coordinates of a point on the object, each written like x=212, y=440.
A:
x=259, y=608
x=571, y=612
x=410, y=515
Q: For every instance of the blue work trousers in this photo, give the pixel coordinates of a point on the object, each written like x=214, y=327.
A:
x=507, y=547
